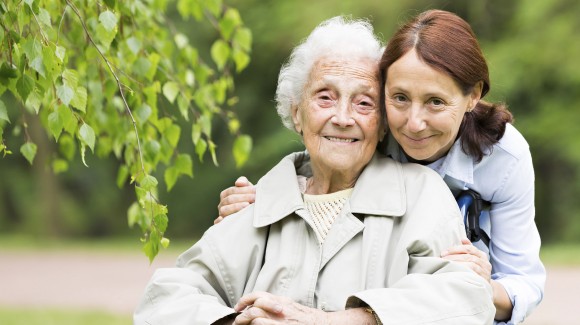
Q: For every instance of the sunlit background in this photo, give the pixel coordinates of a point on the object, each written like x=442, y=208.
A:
x=533, y=50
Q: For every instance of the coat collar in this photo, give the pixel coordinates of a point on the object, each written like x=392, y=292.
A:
x=380, y=189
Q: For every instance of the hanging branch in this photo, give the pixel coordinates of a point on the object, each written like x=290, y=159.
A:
x=119, y=84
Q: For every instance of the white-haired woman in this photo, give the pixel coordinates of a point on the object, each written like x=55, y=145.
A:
x=353, y=238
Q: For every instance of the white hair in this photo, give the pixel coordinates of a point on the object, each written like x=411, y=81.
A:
x=337, y=36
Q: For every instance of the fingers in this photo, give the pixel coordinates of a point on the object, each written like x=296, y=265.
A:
x=262, y=300
x=470, y=256
x=234, y=198
x=250, y=316
x=237, y=194
x=242, y=181
x=229, y=209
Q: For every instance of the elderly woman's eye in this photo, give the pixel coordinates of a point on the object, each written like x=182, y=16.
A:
x=400, y=98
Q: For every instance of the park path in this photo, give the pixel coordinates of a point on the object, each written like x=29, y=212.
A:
x=114, y=282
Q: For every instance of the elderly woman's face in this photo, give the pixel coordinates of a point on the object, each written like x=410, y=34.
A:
x=425, y=107
x=339, y=113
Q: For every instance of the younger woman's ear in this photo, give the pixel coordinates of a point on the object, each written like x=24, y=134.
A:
x=476, y=94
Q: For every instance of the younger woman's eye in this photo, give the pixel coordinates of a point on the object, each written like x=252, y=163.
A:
x=436, y=103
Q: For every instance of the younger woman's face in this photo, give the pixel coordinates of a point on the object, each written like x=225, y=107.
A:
x=425, y=107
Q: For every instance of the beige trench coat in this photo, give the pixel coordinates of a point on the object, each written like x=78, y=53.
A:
x=382, y=251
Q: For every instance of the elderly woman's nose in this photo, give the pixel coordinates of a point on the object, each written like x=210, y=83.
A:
x=416, y=121
x=343, y=115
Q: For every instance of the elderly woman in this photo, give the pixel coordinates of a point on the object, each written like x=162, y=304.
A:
x=435, y=75
x=353, y=238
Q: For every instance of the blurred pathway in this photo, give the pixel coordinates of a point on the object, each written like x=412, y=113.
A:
x=115, y=282
x=90, y=281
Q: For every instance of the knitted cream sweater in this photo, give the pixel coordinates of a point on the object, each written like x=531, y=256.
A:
x=324, y=208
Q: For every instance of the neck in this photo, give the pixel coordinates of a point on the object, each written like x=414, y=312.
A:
x=324, y=181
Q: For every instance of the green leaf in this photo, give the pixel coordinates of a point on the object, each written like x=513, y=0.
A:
x=148, y=183
x=108, y=19
x=66, y=146
x=134, y=214
x=241, y=59
x=44, y=17
x=243, y=39
x=195, y=133
x=171, y=174
x=68, y=121
x=8, y=72
x=170, y=90
x=183, y=105
x=4, y=112
x=180, y=40
x=60, y=52
x=143, y=113
x=83, y=151
x=241, y=150
x=55, y=124
x=110, y=3
x=213, y=6
x=205, y=122
x=24, y=86
x=70, y=78
x=184, y=164
x=65, y=94
x=34, y=101
x=200, y=148
x=151, y=249
x=212, y=147
x=79, y=101
x=38, y=65
x=154, y=60
x=165, y=242
x=104, y=36
x=134, y=45
x=220, y=51
x=122, y=176
x=172, y=133
x=161, y=221
x=229, y=22
x=28, y=150
x=59, y=166
x=32, y=48
x=87, y=136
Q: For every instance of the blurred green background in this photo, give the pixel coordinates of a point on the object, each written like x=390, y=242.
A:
x=533, y=50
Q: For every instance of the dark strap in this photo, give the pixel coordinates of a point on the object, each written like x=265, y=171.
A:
x=471, y=205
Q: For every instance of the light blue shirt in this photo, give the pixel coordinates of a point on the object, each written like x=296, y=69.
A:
x=505, y=178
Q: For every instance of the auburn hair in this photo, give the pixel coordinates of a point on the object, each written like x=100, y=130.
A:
x=447, y=43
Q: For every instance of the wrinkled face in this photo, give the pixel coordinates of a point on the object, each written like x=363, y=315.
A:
x=425, y=107
x=339, y=115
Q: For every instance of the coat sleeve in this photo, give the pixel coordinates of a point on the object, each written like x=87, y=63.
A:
x=434, y=291
x=204, y=286
x=430, y=290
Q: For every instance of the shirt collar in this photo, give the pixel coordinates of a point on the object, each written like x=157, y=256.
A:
x=456, y=163
x=379, y=190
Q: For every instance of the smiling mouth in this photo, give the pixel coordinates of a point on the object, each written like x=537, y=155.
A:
x=417, y=139
x=343, y=140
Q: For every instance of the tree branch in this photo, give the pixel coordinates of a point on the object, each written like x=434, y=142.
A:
x=119, y=84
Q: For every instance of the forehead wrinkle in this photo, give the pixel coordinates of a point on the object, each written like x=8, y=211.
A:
x=332, y=72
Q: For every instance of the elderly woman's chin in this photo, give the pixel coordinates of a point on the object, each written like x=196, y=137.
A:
x=337, y=154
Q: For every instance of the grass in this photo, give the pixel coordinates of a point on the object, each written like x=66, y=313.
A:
x=564, y=254
x=60, y=317
x=123, y=245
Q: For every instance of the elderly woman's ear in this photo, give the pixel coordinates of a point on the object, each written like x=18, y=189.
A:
x=297, y=119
